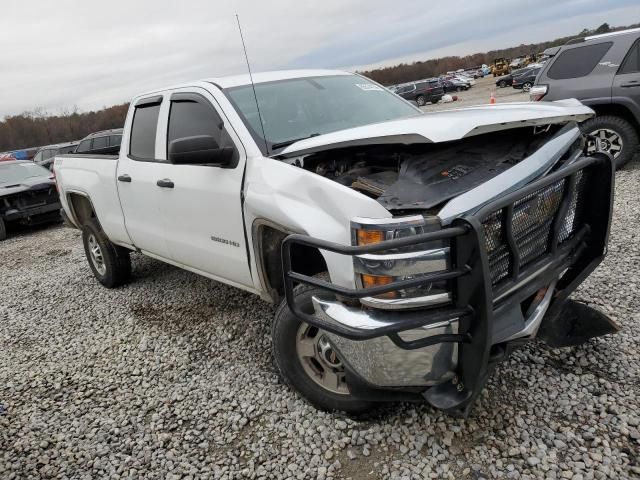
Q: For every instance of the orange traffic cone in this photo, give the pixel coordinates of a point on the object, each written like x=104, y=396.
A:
x=492, y=98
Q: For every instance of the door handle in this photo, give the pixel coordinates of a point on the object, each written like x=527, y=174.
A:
x=124, y=178
x=633, y=83
x=165, y=183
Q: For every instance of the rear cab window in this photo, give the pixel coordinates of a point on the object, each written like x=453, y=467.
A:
x=578, y=62
x=143, y=129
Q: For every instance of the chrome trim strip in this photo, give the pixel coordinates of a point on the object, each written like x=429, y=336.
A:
x=516, y=177
x=338, y=313
x=401, y=264
x=397, y=222
x=532, y=324
x=412, y=302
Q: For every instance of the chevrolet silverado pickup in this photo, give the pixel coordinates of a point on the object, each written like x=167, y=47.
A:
x=409, y=252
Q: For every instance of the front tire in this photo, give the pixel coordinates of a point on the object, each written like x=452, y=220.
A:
x=110, y=264
x=616, y=136
x=421, y=101
x=502, y=83
x=306, y=361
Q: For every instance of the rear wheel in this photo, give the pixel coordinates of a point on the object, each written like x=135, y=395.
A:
x=614, y=135
x=110, y=264
x=526, y=86
x=307, y=362
x=421, y=101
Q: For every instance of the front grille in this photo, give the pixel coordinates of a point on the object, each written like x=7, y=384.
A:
x=32, y=198
x=531, y=221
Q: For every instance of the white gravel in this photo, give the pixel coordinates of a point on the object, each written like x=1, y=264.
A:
x=170, y=377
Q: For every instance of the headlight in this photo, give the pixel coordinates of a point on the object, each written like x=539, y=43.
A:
x=400, y=264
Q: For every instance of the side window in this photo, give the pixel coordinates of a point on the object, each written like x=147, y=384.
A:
x=38, y=156
x=578, y=62
x=84, y=146
x=631, y=63
x=99, y=143
x=191, y=116
x=115, y=140
x=143, y=131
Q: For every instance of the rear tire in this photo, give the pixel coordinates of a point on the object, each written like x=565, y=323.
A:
x=3, y=230
x=110, y=264
x=287, y=333
x=627, y=136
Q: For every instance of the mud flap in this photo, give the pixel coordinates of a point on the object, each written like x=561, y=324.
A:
x=574, y=324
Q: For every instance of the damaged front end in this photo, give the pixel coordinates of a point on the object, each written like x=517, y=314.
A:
x=30, y=204
x=483, y=251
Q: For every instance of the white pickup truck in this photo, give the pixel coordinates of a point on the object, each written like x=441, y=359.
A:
x=409, y=251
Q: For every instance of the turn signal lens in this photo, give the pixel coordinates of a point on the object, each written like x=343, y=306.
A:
x=369, y=281
x=368, y=237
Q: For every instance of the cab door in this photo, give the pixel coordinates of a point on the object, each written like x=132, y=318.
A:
x=203, y=207
x=139, y=170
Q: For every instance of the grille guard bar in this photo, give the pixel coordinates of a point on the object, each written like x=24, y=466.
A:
x=475, y=300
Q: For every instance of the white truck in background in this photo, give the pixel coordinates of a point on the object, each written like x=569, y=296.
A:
x=409, y=251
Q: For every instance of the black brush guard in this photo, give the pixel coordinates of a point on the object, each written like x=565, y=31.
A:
x=476, y=302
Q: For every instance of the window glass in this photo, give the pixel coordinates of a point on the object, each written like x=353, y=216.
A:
x=143, y=131
x=84, y=146
x=115, y=140
x=631, y=62
x=39, y=156
x=99, y=143
x=578, y=62
x=189, y=118
x=68, y=149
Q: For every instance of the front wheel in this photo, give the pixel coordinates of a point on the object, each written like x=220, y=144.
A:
x=307, y=362
x=614, y=135
x=502, y=83
x=110, y=264
x=3, y=230
x=421, y=101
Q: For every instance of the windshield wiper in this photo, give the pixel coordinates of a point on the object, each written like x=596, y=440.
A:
x=286, y=143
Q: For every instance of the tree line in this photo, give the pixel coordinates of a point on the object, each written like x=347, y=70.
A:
x=32, y=129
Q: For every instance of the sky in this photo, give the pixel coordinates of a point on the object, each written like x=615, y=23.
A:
x=64, y=54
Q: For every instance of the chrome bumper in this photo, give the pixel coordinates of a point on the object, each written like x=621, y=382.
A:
x=381, y=363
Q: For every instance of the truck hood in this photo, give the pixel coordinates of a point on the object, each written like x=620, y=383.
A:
x=446, y=126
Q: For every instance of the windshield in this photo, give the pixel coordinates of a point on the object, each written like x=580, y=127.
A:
x=13, y=173
x=299, y=108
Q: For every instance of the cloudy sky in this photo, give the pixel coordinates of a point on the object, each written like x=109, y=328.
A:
x=56, y=55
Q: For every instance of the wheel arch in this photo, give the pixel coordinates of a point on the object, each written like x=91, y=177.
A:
x=80, y=208
x=267, y=242
x=619, y=109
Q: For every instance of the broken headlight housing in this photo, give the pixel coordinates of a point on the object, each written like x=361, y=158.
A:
x=404, y=263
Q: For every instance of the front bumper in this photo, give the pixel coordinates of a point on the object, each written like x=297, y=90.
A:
x=31, y=215
x=446, y=352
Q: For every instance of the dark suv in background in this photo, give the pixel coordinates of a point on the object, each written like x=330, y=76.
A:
x=421, y=92
x=602, y=71
x=106, y=142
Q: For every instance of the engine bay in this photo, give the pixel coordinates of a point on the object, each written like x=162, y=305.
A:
x=424, y=176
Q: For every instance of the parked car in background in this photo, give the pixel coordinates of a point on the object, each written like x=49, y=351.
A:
x=454, y=85
x=603, y=72
x=464, y=78
x=45, y=155
x=525, y=80
x=7, y=157
x=408, y=252
x=106, y=142
x=28, y=195
x=421, y=92
x=507, y=80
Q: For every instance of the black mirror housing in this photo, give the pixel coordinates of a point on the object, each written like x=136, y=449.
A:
x=201, y=150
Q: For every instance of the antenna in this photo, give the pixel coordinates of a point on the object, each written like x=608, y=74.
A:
x=253, y=86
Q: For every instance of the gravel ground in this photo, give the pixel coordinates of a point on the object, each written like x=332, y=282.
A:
x=170, y=377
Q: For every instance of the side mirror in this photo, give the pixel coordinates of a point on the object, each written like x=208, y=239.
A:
x=201, y=150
